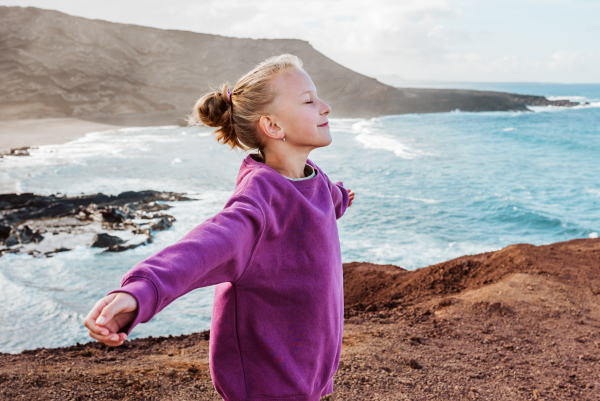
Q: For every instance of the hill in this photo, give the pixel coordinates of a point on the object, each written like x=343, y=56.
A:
x=57, y=65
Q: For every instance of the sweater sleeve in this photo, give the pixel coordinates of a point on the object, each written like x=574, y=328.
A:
x=339, y=195
x=216, y=251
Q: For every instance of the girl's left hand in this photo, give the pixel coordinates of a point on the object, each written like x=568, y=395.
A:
x=351, y=196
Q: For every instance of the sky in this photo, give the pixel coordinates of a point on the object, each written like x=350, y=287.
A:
x=418, y=40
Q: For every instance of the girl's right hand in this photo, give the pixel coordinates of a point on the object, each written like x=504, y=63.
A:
x=109, y=315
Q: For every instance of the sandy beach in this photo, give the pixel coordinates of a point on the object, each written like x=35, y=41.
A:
x=45, y=131
x=50, y=131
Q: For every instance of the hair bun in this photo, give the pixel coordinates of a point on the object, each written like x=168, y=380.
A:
x=213, y=109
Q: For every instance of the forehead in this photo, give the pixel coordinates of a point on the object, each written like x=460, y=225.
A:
x=293, y=82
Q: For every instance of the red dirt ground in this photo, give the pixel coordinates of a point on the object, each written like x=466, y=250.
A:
x=521, y=323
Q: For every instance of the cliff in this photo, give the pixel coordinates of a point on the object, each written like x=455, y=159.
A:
x=57, y=65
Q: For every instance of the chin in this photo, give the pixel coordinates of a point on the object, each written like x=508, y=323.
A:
x=326, y=141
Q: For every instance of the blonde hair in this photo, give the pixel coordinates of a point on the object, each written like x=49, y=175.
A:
x=237, y=119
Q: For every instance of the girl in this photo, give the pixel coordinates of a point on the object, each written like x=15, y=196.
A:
x=273, y=252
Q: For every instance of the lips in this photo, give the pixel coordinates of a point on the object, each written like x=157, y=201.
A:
x=324, y=125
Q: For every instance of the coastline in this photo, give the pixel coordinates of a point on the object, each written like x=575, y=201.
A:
x=26, y=133
x=519, y=323
x=16, y=134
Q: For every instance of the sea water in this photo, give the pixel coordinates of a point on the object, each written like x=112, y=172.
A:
x=429, y=188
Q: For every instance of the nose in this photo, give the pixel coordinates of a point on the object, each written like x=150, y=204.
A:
x=326, y=109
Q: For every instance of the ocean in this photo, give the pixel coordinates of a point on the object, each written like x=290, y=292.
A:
x=429, y=188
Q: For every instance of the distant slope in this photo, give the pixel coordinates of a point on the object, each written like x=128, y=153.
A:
x=56, y=65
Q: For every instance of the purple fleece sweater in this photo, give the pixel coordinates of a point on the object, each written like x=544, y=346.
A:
x=273, y=253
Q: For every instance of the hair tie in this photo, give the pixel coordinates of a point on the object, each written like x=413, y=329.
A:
x=228, y=102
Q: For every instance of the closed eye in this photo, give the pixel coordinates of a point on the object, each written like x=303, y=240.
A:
x=307, y=102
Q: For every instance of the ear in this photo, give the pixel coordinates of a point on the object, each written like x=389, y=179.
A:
x=270, y=128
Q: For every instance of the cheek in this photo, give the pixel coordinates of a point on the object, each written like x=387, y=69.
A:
x=307, y=121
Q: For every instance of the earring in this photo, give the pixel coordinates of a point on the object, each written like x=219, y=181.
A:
x=283, y=138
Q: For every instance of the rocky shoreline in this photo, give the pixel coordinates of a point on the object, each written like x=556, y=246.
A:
x=520, y=323
x=44, y=225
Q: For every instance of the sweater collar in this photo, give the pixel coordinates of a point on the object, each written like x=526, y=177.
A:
x=254, y=163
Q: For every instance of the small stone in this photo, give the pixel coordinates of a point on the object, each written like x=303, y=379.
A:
x=162, y=224
x=105, y=240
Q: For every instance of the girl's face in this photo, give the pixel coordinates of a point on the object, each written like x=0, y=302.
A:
x=297, y=112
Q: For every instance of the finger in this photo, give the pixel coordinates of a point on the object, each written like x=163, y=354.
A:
x=109, y=311
x=112, y=339
x=90, y=320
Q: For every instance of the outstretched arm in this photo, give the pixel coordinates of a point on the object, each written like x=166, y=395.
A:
x=339, y=195
x=351, y=195
x=216, y=251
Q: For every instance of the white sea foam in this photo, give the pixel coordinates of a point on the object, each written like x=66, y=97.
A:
x=371, y=136
x=593, y=235
x=580, y=99
x=388, y=143
x=509, y=129
x=366, y=191
x=424, y=200
x=538, y=109
x=424, y=250
x=363, y=126
x=594, y=191
x=139, y=129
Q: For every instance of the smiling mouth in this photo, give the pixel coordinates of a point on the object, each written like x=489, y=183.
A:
x=324, y=125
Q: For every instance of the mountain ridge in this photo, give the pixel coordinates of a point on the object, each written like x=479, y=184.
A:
x=56, y=65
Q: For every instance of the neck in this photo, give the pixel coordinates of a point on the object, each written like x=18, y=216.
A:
x=290, y=164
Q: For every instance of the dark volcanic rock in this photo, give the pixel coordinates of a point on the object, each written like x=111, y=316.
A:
x=58, y=250
x=138, y=212
x=113, y=215
x=18, y=208
x=4, y=231
x=163, y=224
x=444, y=100
x=23, y=236
x=121, y=248
x=12, y=240
x=105, y=241
x=24, y=151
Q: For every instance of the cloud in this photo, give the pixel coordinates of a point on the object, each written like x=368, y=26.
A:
x=416, y=39
x=355, y=33
x=567, y=60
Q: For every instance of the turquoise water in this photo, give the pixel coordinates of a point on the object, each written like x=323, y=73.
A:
x=429, y=188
